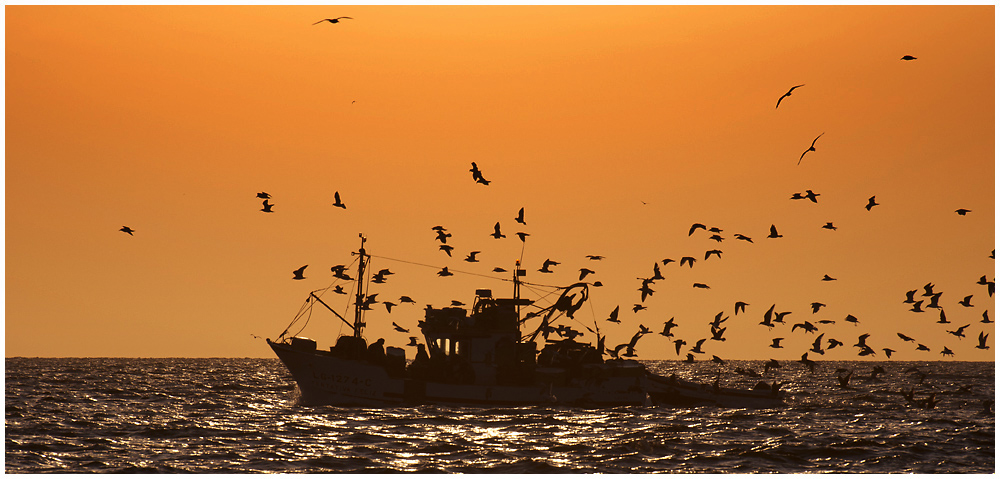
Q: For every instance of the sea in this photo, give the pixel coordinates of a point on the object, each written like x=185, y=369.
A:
x=85, y=415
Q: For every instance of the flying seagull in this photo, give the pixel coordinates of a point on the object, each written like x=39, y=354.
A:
x=332, y=20
x=126, y=229
x=267, y=207
x=962, y=211
x=337, y=202
x=871, y=203
x=520, y=217
x=496, y=231
x=789, y=93
x=774, y=233
x=908, y=57
x=299, y=273
x=263, y=195
x=812, y=147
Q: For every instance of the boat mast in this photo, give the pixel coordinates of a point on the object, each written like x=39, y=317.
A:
x=518, y=272
x=359, y=299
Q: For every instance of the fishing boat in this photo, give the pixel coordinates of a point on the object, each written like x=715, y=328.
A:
x=486, y=355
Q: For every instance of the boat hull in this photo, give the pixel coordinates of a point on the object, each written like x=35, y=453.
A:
x=325, y=379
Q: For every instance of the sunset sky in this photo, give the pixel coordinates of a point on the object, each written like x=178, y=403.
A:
x=615, y=128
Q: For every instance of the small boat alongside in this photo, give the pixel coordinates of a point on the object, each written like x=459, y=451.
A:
x=487, y=355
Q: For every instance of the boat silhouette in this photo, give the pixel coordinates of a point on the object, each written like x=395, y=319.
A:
x=487, y=355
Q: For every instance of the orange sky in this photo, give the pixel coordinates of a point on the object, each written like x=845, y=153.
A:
x=615, y=128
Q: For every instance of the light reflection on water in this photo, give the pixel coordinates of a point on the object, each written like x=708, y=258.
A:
x=181, y=416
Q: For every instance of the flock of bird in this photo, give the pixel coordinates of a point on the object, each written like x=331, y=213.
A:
x=715, y=332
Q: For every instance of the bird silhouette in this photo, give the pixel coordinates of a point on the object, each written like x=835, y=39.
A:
x=645, y=289
x=697, y=346
x=263, y=195
x=905, y=337
x=776, y=343
x=741, y=307
x=614, y=315
x=780, y=317
x=928, y=289
x=767, y=317
x=444, y=272
x=744, y=238
x=942, y=319
x=656, y=272
x=689, y=358
x=339, y=289
x=982, y=340
x=827, y=277
x=812, y=147
x=772, y=364
x=861, y=340
x=818, y=345
x=520, y=216
x=808, y=362
x=126, y=229
x=871, y=203
x=406, y=299
x=960, y=332
x=774, y=233
x=388, y=308
x=717, y=360
x=546, y=264
x=805, y=325
x=478, y=175
x=696, y=226
x=442, y=236
x=967, y=301
x=713, y=251
x=338, y=203
x=267, y=207
x=522, y=235
x=446, y=248
x=584, y=272
x=908, y=57
x=471, y=258
x=667, y=326
x=788, y=93
x=921, y=347
x=594, y=257
x=298, y=274
x=332, y=20
x=990, y=285
x=845, y=379
x=717, y=322
x=717, y=334
x=829, y=226
x=947, y=352
x=812, y=196
x=701, y=285
x=888, y=352
x=832, y=343
x=916, y=307
x=934, y=301
x=909, y=297
x=690, y=261
x=986, y=317
x=816, y=306
x=413, y=341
